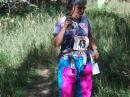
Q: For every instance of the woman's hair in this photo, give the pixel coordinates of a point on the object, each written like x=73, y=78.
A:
x=70, y=4
x=78, y=2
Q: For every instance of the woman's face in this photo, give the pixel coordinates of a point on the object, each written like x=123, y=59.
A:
x=77, y=11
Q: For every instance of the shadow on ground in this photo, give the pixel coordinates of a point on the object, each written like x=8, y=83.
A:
x=36, y=75
x=44, y=83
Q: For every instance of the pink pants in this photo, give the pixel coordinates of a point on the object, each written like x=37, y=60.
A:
x=74, y=82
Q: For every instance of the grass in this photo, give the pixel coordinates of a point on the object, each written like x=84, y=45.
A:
x=111, y=31
x=27, y=41
x=24, y=42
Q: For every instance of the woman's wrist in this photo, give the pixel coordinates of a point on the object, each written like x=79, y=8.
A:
x=94, y=48
x=64, y=28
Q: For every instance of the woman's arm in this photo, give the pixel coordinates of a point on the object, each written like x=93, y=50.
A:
x=59, y=37
x=92, y=41
x=93, y=46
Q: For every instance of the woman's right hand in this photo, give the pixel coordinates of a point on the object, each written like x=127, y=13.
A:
x=59, y=38
x=67, y=22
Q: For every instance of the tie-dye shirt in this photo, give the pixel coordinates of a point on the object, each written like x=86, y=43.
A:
x=81, y=28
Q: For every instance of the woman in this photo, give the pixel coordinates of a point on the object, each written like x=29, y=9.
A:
x=73, y=33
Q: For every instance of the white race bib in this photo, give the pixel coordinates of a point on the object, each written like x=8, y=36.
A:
x=81, y=43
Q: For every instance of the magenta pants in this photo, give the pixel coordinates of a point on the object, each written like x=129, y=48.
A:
x=74, y=82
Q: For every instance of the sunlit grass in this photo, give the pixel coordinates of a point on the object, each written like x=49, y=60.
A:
x=19, y=36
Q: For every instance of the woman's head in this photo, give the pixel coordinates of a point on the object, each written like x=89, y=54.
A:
x=76, y=8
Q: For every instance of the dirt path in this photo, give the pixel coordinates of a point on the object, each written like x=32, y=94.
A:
x=44, y=86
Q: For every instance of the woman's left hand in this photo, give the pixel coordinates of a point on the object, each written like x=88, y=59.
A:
x=95, y=54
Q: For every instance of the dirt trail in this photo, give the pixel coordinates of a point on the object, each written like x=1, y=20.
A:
x=44, y=86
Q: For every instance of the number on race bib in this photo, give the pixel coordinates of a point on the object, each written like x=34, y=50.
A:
x=81, y=43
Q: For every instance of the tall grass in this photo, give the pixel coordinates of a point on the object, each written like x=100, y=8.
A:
x=27, y=41
x=112, y=35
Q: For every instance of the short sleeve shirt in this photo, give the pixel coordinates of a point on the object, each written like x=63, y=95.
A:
x=81, y=28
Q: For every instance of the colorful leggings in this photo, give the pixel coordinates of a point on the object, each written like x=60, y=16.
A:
x=74, y=82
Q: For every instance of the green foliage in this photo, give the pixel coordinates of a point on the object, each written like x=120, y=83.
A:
x=27, y=41
x=1, y=0
x=111, y=31
x=16, y=8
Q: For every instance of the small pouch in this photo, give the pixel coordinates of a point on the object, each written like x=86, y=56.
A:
x=95, y=69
